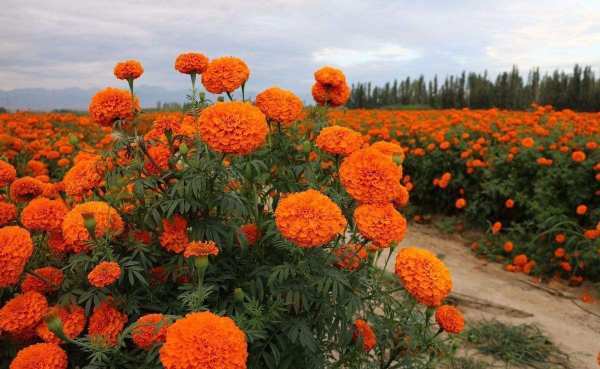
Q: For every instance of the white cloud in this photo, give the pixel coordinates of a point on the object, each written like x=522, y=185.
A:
x=346, y=57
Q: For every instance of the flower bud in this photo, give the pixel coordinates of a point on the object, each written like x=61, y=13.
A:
x=238, y=295
x=183, y=149
x=73, y=140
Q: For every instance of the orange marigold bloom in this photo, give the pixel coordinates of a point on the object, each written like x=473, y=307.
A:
x=560, y=252
x=128, y=69
x=309, y=219
x=104, y=274
x=8, y=212
x=460, y=203
x=510, y=203
x=25, y=188
x=578, y=156
x=403, y=197
x=15, y=250
x=338, y=140
x=42, y=214
x=40, y=356
x=508, y=247
x=191, y=63
x=50, y=281
x=496, y=227
x=520, y=260
x=8, y=173
x=149, y=330
x=233, y=127
x=72, y=319
x=251, y=233
x=201, y=248
x=350, y=256
x=204, y=341
x=84, y=177
x=23, y=313
x=364, y=332
x=160, y=155
x=112, y=104
x=106, y=219
x=528, y=142
x=106, y=323
x=423, y=275
x=581, y=209
x=225, y=74
x=330, y=77
x=382, y=224
x=370, y=177
x=333, y=96
x=560, y=238
x=450, y=319
x=390, y=149
x=174, y=237
x=280, y=105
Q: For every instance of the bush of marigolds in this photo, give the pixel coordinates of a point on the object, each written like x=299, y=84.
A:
x=235, y=235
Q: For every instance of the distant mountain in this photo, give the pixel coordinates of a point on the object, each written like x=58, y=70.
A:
x=78, y=98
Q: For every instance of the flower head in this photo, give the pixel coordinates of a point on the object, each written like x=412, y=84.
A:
x=8, y=173
x=382, y=224
x=330, y=77
x=104, y=274
x=251, y=233
x=112, y=104
x=364, y=332
x=23, y=313
x=280, y=105
x=350, y=256
x=106, y=220
x=233, y=127
x=450, y=319
x=8, y=212
x=191, y=63
x=423, y=275
x=370, y=177
x=309, y=219
x=201, y=248
x=42, y=214
x=204, y=341
x=40, y=356
x=84, y=177
x=149, y=330
x=225, y=74
x=128, y=70
x=25, y=188
x=106, y=323
x=339, y=140
x=72, y=322
x=50, y=281
x=16, y=248
x=174, y=237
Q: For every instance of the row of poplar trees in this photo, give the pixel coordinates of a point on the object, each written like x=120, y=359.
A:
x=578, y=90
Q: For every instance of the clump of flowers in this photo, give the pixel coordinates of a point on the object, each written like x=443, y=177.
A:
x=309, y=219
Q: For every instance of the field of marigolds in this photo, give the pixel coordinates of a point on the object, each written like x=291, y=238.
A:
x=249, y=234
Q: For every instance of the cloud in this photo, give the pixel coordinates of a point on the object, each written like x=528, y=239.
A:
x=345, y=57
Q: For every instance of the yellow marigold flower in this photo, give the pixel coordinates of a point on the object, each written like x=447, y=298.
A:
x=309, y=219
x=423, y=275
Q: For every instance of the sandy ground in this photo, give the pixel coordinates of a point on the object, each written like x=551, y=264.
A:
x=485, y=291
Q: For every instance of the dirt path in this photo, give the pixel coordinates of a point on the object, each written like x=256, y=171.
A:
x=508, y=297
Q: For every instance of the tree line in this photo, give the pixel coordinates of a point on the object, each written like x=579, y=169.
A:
x=578, y=90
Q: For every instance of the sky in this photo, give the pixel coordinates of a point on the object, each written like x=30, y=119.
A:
x=75, y=43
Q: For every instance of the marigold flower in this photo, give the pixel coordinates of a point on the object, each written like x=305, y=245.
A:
x=8, y=212
x=350, y=256
x=560, y=252
x=508, y=247
x=333, y=96
x=204, y=341
x=251, y=233
x=450, y=319
x=233, y=127
x=84, y=177
x=338, y=140
x=280, y=105
x=330, y=77
x=104, y=274
x=581, y=209
x=160, y=155
x=56, y=243
x=382, y=224
x=370, y=177
x=40, y=356
x=23, y=312
x=578, y=156
x=191, y=63
x=225, y=74
x=201, y=248
x=149, y=330
x=520, y=260
x=560, y=238
x=174, y=237
x=364, y=332
x=423, y=275
x=496, y=227
x=50, y=281
x=25, y=188
x=390, y=149
x=510, y=203
x=403, y=197
x=128, y=70
x=16, y=248
x=8, y=173
x=309, y=219
x=72, y=319
x=42, y=214
x=528, y=142
x=106, y=219
x=460, y=203
x=106, y=323
x=112, y=104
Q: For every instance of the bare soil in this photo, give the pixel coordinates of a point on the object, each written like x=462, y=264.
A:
x=483, y=290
